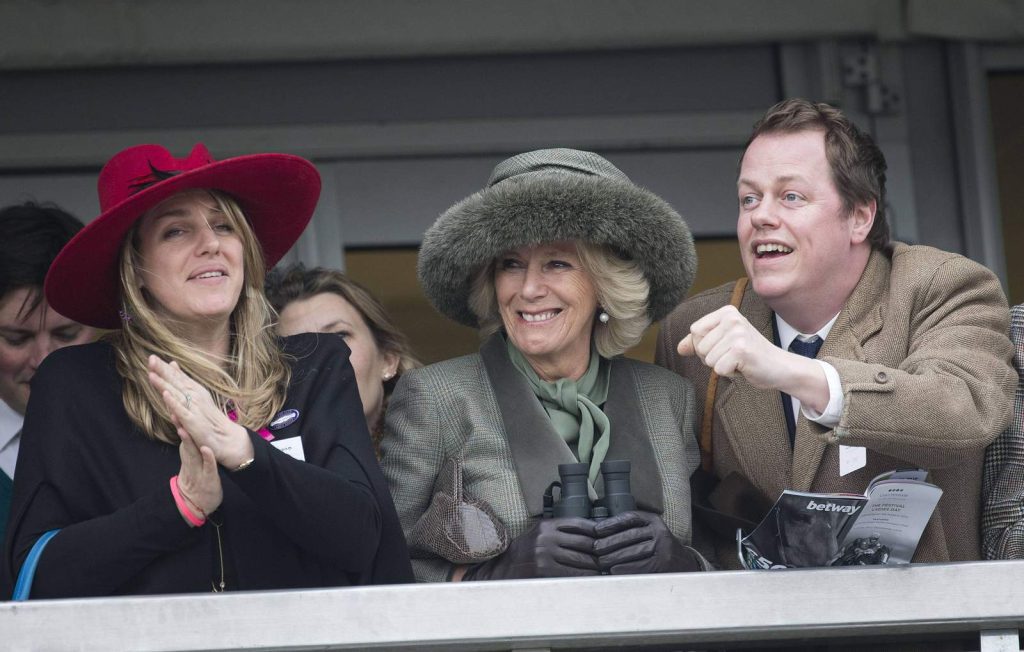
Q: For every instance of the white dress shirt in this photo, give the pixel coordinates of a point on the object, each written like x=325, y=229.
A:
x=10, y=437
x=834, y=410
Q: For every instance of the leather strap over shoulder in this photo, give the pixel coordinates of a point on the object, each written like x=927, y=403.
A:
x=707, y=457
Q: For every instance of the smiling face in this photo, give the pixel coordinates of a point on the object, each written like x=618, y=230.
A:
x=802, y=252
x=547, y=303
x=191, y=260
x=330, y=313
x=26, y=337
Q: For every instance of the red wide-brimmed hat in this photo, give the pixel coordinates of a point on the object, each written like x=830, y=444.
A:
x=277, y=193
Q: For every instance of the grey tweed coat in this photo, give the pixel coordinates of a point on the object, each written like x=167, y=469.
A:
x=1002, y=517
x=480, y=410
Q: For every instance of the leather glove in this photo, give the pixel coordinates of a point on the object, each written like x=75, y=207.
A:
x=554, y=547
x=640, y=542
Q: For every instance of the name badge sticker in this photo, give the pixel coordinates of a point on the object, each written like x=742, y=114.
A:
x=291, y=446
x=851, y=458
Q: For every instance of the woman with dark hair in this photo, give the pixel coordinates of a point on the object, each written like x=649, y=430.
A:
x=191, y=449
x=562, y=262
x=322, y=300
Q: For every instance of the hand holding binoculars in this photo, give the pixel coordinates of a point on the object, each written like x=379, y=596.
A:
x=578, y=537
x=574, y=497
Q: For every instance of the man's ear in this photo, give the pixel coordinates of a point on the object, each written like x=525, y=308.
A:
x=862, y=218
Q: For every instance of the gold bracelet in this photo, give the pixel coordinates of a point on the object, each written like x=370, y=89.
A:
x=244, y=465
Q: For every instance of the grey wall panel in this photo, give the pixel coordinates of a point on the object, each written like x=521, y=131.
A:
x=333, y=92
x=933, y=154
x=700, y=184
x=74, y=192
x=77, y=33
x=393, y=201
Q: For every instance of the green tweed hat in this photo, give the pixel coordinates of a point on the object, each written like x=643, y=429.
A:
x=549, y=195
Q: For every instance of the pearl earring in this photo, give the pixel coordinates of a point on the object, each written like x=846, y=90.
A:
x=388, y=375
x=604, y=317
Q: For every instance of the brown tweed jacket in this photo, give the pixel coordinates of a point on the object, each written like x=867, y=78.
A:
x=924, y=361
x=479, y=409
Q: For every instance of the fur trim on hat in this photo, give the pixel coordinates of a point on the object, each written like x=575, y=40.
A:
x=548, y=206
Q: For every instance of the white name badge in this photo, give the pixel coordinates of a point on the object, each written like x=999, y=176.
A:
x=291, y=446
x=851, y=458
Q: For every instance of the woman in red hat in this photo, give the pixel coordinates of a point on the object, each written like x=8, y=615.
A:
x=274, y=483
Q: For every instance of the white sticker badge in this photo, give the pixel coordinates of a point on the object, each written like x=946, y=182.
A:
x=292, y=446
x=851, y=458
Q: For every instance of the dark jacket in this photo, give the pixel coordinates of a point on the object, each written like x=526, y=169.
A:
x=85, y=468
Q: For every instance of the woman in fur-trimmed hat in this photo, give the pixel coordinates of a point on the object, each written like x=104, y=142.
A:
x=562, y=262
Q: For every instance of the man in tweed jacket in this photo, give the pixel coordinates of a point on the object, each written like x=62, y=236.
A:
x=914, y=365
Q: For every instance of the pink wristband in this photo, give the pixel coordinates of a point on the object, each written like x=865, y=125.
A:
x=183, y=507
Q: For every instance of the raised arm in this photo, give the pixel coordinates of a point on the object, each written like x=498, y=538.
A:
x=952, y=391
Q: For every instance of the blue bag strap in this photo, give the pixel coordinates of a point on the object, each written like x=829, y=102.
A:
x=28, y=570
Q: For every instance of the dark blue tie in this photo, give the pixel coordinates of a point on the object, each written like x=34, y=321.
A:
x=808, y=349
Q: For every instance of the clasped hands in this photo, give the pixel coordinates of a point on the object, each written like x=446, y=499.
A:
x=208, y=436
x=628, y=543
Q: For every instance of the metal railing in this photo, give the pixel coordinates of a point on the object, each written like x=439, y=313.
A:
x=983, y=601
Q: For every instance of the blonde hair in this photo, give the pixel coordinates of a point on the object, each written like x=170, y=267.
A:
x=254, y=374
x=622, y=291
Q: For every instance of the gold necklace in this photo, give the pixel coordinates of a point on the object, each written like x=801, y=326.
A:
x=218, y=588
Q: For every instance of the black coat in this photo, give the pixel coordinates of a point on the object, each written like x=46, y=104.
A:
x=85, y=468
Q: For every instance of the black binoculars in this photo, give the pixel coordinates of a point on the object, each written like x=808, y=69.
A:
x=574, y=499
